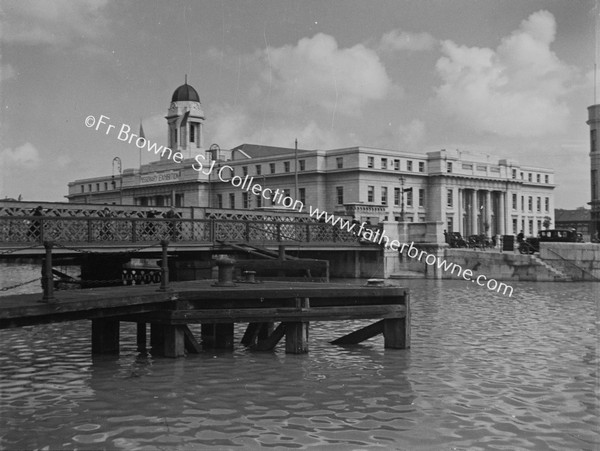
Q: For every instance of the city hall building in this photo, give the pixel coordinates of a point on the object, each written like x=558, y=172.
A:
x=469, y=193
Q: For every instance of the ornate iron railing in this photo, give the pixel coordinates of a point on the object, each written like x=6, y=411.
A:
x=96, y=230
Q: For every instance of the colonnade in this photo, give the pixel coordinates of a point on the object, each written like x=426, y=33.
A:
x=478, y=208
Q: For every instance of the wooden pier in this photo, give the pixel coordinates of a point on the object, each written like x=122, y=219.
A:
x=217, y=305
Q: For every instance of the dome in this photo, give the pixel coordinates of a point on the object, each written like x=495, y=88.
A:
x=185, y=93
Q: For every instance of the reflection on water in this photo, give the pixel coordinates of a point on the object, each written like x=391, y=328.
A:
x=484, y=372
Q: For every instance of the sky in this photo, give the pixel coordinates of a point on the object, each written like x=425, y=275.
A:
x=508, y=78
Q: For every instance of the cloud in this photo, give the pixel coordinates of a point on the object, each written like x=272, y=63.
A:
x=317, y=73
x=397, y=40
x=23, y=156
x=412, y=134
x=517, y=90
x=57, y=22
x=7, y=71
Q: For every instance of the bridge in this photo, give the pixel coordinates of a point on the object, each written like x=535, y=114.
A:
x=25, y=226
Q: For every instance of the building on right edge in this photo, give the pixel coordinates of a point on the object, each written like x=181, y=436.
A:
x=594, y=123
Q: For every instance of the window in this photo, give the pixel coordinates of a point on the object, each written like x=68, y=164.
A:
x=529, y=177
x=514, y=223
x=245, y=202
x=258, y=169
x=272, y=168
x=530, y=203
x=531, y=227
x=90, y=187
x=450, y=198
x=409, y=198
x=82, y=188
x=302, y=195
x=547, y=178
x=594, y=174
x=396, y=165
x=522, y=176
x=539, y=224
x=105, y=186
x=514, y=202
x=547, y=204
x=258, y=201
x=421, y=197
x=522, y=203
x=192, y=133
x=538, y=178
x=396, y=196
x=514, y=173
x=449, y=168
x=339, y=162
x=421, y=166
x=244, y=170
x=302, y=165
x=231, y=200
x=219, y=201
x=592, y=140
x=370, y=162
x=384, y=195
x=339, y=193
x=409, y=165
x=384, y=163
x=97, y=186
x=286, y=166
x=539, y=204
x=450, y=224
x=370, y=193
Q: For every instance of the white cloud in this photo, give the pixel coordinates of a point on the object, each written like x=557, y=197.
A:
x=23, y=156
x=412, y=134
x=516, y=90
x=397, y=40
x=316, y=72
x=56, y=22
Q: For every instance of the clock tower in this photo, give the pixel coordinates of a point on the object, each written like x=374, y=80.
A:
x=185, y=121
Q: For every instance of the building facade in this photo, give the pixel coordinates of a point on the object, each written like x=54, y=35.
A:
x=469, y=193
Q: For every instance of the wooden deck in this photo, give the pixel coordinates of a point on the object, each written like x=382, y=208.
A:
x=294, y=305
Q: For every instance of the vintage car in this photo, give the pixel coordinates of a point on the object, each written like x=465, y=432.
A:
x=532, y=245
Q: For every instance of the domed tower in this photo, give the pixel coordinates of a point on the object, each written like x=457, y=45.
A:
x=185, y=120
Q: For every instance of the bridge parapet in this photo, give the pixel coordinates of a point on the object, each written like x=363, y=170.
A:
x=16, y=230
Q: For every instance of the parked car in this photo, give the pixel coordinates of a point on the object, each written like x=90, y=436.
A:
x=455, y=239
x=532, y=245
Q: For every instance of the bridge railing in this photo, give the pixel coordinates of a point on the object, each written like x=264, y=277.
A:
x=32, y=229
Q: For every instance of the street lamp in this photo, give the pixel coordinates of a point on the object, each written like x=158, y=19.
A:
x=214, y=149
x=119, y=169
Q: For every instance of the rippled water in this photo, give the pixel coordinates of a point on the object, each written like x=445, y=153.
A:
x=484, y=372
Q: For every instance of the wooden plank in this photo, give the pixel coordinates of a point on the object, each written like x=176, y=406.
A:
x=360, y=335
x=269, y=343
x=283, y=314
x=191, y=344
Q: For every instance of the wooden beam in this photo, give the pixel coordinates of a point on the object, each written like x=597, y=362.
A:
x=296, y=337
x=269, y=343
x=191, y=344
x=360, y=335
x=105, y=336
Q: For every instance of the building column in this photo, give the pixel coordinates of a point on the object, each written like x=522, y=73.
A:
x=501, y=213
x=474, y=212
x=488, y=212
x=458, y=216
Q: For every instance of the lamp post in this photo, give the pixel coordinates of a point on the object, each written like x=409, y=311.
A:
x=119, y=169
x=214, y=150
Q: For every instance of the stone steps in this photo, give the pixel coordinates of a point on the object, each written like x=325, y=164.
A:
x=558, y=275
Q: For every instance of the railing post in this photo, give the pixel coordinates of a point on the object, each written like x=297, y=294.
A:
x=133, y=231
x=247, y=231
x=164, y=282
x=308, y=232
x=211, y=230
x=90, y=230
x=48, y=279
x=279, y=231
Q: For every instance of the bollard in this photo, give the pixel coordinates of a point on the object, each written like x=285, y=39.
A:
x=226, y=265
x=375, y=283
x=48, y=279
x=164, y=282
x=250, y=276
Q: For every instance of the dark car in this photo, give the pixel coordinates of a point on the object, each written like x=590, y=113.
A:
x=455, y=239
x=531, y=245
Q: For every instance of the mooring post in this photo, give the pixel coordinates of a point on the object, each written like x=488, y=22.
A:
x=48, y=279
x=226, y=266
x=164, y=282
x=296, y=337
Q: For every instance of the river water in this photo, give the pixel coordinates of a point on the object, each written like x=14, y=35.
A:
x=485, y=371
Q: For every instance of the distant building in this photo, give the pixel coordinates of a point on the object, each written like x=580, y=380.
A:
x=578, y=219
x=469, y=193
x=594, y=123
